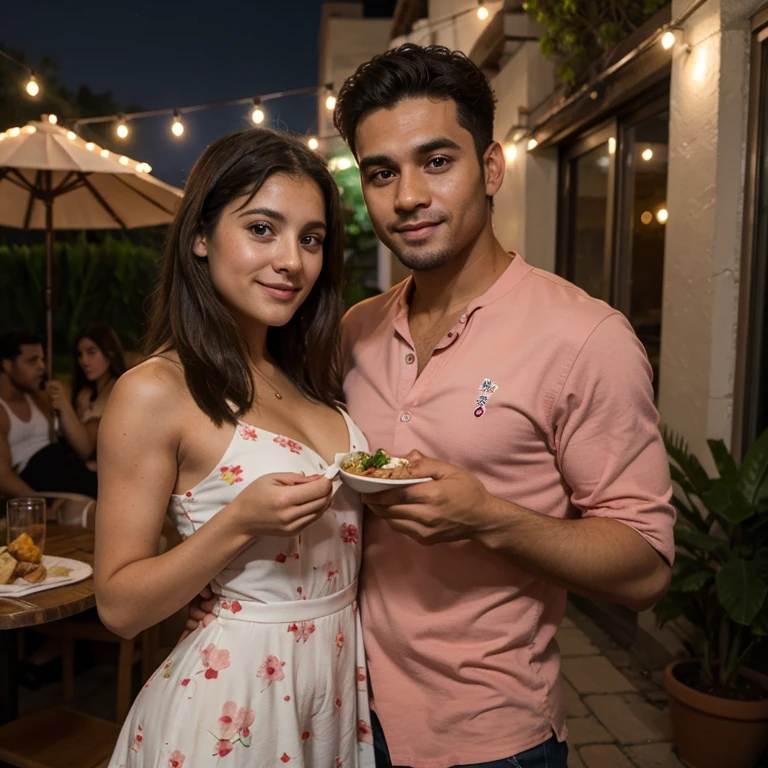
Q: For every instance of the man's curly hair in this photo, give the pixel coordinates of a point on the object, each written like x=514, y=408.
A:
x=412, y=71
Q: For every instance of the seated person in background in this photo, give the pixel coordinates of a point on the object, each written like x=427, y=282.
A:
x=99, y=360
x=31, y=461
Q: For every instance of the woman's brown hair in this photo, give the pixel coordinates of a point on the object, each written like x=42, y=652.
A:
x=189, y=317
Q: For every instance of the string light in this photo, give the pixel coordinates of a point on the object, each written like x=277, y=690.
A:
x=532, y=144
x=482, y=11
x=313, y=143
x=611, y=146
x=14, y=131
x=90, y=146
x=662, y=215
x=257, y=115
x=104, y=153
x=122, y=129
x=646, y=217
x=123, y=160
x=510, y=152
x=330, y=99
x=177, y=127
x=30, y=129
x=32, y=87
x=52, y=119
x=647, y=154
x=668, y=40
x=71, y=135
x=344, y=163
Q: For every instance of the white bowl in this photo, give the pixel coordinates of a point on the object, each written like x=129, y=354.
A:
x=363, y=484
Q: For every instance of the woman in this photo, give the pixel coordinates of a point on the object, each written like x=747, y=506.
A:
x=99, y=360
x=233, y=420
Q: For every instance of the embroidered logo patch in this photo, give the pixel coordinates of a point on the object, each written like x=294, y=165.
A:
x=486, y=389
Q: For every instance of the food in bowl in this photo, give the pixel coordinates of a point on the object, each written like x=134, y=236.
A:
x=380, y=465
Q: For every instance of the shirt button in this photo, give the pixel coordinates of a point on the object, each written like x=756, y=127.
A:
x=409, y=358
x=463, y=319
x=405, y=416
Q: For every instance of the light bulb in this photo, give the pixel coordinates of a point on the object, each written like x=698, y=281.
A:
x=90, y=146
x=662, y=215
x=104, y=153
x=2, y=136
x=147, y=168
x=330, y=102
x=52, y=119
x=611, y=145
x=313, y=143
x=482, y=12
x=14, y=132
x=647, y=154
x=177, y=127
x=510, y=152
x=668, y=40
x=71, y=135
x=123, y=160
x=532, y=143
x=32, y=86
x=30, y=129
x=343, y=163
x=646, y=217
x=257, y=115
x=122, y=130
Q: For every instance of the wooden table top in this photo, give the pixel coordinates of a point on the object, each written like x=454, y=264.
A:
x=53, y=604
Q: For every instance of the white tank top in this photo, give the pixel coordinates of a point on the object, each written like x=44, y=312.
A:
x=26, y=438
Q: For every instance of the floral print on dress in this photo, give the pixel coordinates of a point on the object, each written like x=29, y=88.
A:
x=247, y=431
x=272, y=670
x=364, y=733
x=214, y=661
x=235, y=606
x=231, y=475
x=137, y=739
x=286, y=442
x=303, y=630
x=330, y=568
x=291, y=552
x=349, y=533
x=234, y=726
x=176, y=760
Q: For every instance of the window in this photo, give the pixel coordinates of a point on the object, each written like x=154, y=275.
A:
x=613, y=189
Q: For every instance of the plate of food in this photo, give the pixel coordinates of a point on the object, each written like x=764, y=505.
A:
x=24, y=569
x=370, y=473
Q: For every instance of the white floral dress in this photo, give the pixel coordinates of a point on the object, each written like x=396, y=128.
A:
x=279, y=678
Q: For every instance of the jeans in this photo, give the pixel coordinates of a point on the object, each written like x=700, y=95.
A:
x=550, y=754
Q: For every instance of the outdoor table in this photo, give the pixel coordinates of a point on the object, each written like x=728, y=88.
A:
x=50, y=605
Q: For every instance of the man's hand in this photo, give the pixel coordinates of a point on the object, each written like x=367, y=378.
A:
x=200, y=610
x=453, y=507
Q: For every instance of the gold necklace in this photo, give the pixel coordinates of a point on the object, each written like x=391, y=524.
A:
x=274, y=389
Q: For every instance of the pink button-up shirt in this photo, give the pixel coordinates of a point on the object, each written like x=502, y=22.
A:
x=545, y=395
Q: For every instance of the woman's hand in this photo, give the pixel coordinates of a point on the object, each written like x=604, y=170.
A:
x=282, y=504
x=58, y=394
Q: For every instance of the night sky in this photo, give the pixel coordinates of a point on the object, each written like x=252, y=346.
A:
x=168, y=54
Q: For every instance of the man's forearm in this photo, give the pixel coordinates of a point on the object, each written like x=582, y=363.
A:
x=596, y=557
x=12, y=485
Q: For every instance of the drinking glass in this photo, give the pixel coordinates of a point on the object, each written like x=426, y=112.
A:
x=27, y=516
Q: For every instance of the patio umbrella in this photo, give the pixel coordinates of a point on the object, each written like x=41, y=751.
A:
x=51, y=178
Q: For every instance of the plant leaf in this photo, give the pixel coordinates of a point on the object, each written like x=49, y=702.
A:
x=741, y=589
x=677, y=448
x=696, y=541
x=753, y=479
x=724, y=462
x=672, y=606
x=727, y=502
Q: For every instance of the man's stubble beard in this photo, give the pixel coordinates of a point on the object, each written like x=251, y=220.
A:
x=423, y=262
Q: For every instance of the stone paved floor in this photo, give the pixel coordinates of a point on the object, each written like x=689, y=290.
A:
x=617, y=711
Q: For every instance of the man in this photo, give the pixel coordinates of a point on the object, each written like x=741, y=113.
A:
x=534, y=404
x=31, y=462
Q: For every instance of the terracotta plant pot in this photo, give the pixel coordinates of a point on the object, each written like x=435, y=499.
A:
x=712, y=732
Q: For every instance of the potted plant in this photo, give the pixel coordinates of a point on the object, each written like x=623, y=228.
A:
x=719, y=708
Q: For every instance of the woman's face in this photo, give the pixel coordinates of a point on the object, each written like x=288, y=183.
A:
x=265, y=257
x=91, y=359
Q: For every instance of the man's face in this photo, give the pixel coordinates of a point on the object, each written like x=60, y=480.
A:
x=27, y=369
x=422, y=182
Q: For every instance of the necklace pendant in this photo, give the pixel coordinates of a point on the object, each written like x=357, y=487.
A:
x=278, y=396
